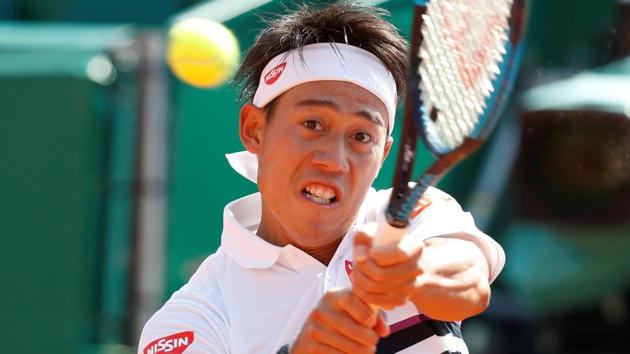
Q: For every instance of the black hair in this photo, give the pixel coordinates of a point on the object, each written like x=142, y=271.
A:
x=340, y=22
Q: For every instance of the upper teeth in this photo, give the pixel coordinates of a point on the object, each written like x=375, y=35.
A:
x=321, y=191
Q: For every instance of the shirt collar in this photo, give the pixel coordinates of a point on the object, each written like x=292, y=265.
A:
x=240, y=242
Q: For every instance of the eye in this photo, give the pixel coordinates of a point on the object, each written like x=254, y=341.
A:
x=312, y=124
x=363, y=137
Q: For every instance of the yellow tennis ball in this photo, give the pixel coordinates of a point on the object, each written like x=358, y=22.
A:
x=201, y=52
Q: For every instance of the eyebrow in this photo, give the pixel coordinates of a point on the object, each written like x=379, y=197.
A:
x=369, y=115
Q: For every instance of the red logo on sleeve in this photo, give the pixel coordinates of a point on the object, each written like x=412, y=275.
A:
x=274, y=74
x=421, y=206
x=173, y=344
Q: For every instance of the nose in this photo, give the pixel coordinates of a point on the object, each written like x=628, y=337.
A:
x=332, y=156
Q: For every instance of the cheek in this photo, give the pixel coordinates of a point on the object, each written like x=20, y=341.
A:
x=280, y=153
x=367, y=165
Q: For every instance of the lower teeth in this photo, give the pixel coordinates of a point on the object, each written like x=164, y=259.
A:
x=318, y=199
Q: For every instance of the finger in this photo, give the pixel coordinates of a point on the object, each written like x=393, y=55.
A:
x=381, y=327
x=363, y=241
x=356, y=308
x=338, y=312
x=335, y=339
x=348, y=327
x=385, y=301
x=306, y=344
x=400, y=286
x=325, y=348
x=389, y=274
x=408, y=248
x=360, y=253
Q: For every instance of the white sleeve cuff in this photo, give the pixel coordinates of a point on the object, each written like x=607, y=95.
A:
x=446, y=217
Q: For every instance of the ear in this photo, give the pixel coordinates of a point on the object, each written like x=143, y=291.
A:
x=388, y=146
x=251, y=127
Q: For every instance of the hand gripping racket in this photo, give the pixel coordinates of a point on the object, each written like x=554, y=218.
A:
x=463, y=60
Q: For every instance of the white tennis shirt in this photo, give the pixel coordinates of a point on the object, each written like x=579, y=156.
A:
x=253, y=297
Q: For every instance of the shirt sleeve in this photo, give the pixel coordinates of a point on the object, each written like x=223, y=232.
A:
x=180, y=327
x=439, y=214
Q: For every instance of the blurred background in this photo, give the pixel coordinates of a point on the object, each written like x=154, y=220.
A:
x=113, y=177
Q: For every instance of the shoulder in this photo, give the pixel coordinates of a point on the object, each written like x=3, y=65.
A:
x=440, y=215
x=376, y=201
x=183, y=326
x=193, y=319
x=437, y=214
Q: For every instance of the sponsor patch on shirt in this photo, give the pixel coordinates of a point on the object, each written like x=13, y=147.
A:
x=173, y=344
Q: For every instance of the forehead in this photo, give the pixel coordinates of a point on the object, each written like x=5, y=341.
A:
x=348, y=97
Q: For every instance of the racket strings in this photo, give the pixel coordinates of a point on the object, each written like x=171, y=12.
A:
x=441, y=75
x=458, y=27
x=460, y=56
x=435, y=45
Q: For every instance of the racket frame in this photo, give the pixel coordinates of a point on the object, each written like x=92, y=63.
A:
x=405, y=195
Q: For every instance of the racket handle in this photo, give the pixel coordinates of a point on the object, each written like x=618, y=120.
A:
x=387, y=234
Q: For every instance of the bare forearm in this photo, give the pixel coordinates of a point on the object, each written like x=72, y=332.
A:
x=455, y=284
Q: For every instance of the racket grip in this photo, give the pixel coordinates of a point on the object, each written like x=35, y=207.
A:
x=387, y=234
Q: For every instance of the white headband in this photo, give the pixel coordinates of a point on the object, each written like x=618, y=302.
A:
x=328, y=61
x=319, y=62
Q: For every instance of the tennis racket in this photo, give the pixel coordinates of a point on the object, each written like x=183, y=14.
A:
x=463, y=61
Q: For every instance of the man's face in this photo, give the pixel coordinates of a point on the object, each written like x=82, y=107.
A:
x=318, y=155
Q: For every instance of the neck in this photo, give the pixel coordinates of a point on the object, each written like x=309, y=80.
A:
x=322, y=253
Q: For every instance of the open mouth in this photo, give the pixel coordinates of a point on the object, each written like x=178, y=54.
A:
x=320, y=194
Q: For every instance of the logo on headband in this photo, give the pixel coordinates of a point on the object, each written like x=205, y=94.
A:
x=274, y=74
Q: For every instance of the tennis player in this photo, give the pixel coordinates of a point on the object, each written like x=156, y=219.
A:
x=296, y=269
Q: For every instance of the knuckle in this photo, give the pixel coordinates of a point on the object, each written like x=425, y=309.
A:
x=393, y=302
x=372, y=288
x=417, y=253
x=317, y=315
x=363, y=350
x=362, y=294
x=416, y=270
x=386, y=303
x=378, y=257
x=376, y=300
x=330, y=298
x=344, y=301
x=358, y=290
x=357, y=278
x=408, y=288
x=401, y=253
x=421, y=281
x=372, y=338
x=378, y=274
x=388, y=307
x=360, y=236
x=367, y=286
x=356, y=348
x=399, y=301
x=313, y=332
